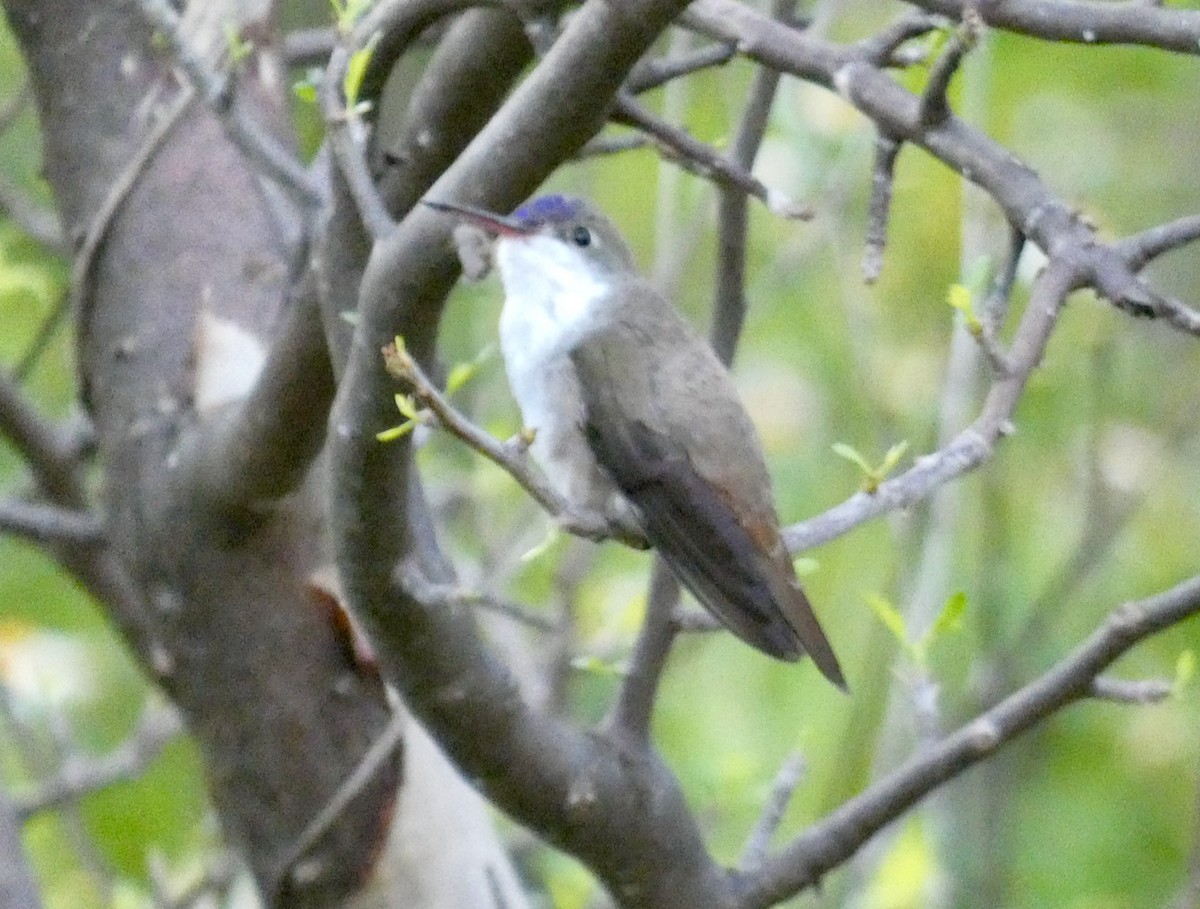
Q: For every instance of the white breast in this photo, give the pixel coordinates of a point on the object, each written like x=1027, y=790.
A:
x=550, y=295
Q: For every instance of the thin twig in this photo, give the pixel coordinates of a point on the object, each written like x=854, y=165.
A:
x=1127, y=691
x=346, y=135
x=47, y=453
x=969, y=448
x=81, y=775
x=612, y=145
x=1139, y=249
x=18, y=888
x=216, y=90
x=37, y=220
x=879, y=206
x=696, y=156
x=1084, y=21
x=758, y=843
x=935, y=105
x=695, y=621
x=656, y=71
x=49, y=524
x=309, y=46
x=453, y=597
x=509, y=456
x=383, y=748
x=733, y=222
x=41, y=340
x=634, y=705
x=882, y=48
x=995, y=305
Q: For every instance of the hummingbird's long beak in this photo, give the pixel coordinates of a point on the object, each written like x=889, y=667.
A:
x=497, y=224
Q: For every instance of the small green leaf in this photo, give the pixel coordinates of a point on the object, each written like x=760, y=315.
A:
x=950, y=618
x=805, y=565
x=306, y=89
x=348, y=12
x=890, y=616
x=1185, y=668
x=960, y=298
x=893, y=456
x=851, y=454
x=542, y=547
x=396, y=432
x=356, y=69
x=872, y=476
x=239, y=47
x=407, y=406
x=597, y=666
x=462, y=373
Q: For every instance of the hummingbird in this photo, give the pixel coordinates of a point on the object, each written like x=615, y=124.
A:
x=635, y=416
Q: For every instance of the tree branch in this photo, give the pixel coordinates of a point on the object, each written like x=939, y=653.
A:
x=831, y=841
x=49, y=524
x=1082, y=22
x=612, y=806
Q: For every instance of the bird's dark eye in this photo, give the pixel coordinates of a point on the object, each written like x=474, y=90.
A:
x=582, y=236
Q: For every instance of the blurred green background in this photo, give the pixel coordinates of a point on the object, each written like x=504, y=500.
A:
x=1093, y=501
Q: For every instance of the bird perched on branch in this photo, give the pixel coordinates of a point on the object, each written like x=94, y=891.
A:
x=637, y=418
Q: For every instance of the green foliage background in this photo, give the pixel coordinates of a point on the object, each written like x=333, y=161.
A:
x=1097, y=808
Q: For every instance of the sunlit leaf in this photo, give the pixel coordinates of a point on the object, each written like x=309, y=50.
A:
x=950, y=618
x=356, y=69
x=893, y=456
x=851, y=454
x=407, y=406
x=596, y=666
x=396, y=432
x=890, y=616
x=1185, y=668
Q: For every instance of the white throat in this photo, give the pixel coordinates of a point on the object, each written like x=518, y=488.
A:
x=550, y=293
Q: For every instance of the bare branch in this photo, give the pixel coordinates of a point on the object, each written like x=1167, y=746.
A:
x=612, y=145
x=18, y=888
x=831, y=841
x=309, y=46
x=511, y=456
x=1086, y=22
x=48, y=524
x=261, y=451
x=882, y=48
x=935, y=104
x=216, y=89
x=39, y=221
x=1126, y=691
x=729, y=303
x=41, y=341
x=345, y=132
x=693, y=155
x=47, y=453
x=80, y=775
x=758, y=844
x=634, y=706
x=452, y=597
x=657, y=71
x=382, y=750
x=971, y=447
x=879, y=206
x=1138, y=250
x=995, y=306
